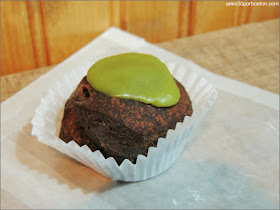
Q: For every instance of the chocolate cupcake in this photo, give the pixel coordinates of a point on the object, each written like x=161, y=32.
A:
x=119, y=128
x=123, y=139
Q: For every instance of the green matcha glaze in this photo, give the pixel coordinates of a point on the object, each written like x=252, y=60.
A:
x=135, y=76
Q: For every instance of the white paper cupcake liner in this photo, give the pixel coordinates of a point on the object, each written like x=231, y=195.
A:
x=48, y=115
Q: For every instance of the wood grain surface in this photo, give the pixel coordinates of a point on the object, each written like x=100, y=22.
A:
x=204, y=20
x=65, y=32
x=16, y=43
x=257, y=14
x=37, y=33
x=156, y=20
x=41, y=33
x=249, y=53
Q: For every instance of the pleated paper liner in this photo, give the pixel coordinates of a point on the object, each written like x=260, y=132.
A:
x=48, y=115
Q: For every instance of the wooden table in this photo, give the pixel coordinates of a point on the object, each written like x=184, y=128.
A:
x=249, y=53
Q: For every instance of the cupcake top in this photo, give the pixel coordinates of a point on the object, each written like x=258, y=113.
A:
x=140, y=77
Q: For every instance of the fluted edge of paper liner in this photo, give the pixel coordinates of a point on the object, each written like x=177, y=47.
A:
x=48, y=115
